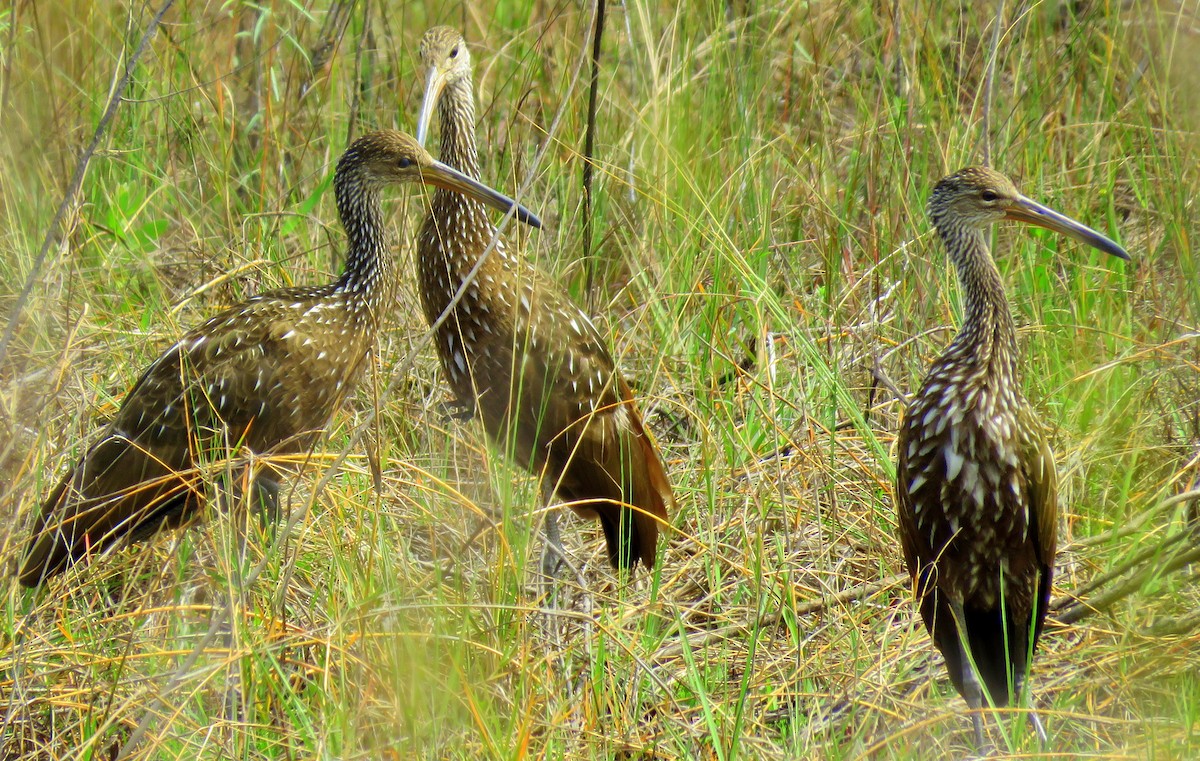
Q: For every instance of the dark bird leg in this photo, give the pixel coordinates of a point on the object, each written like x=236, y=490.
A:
x=554, y=555
x=553, y=558
x=971, y=690
x=1035, y=721
x=266, y=499
x=248, y=492
x=251, y=494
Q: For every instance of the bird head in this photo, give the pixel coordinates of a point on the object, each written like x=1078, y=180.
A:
x=388, y=156
x=447, y=61
x=978, y=196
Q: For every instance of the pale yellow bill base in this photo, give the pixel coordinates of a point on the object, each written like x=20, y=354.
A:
x=433, y=88
x=445, y=176
x=1031, y=212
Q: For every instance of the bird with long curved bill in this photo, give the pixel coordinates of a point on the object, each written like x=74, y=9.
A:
x=262, y=378
x=518, y=352
x=975, y=494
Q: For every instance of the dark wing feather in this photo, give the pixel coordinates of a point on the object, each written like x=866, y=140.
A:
x=1043, y=512
x=236, y=379
x=911, y=460
x=589, y=435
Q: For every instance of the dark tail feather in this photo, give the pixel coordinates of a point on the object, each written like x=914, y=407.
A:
x=1000, y=658
x=632, y=533
x=48, y=553
x=620, y=536
x=70, y=524
x=624, y=486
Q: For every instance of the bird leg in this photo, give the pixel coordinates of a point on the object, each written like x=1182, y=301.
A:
x=553, y=553
x=262, y=487
x=553, y=559
x=974, y=698
x=1035, y=721
x=1026, y=698
x=972, y=691
x=265, y=489
x=554, y=556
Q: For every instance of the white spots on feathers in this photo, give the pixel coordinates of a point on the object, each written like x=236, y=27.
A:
x=954, y=462
x=914, y=486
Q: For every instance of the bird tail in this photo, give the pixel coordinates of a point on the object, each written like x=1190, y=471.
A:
x=999, y=649
x=48, y=551
x=73, y=521
x=631, y=529
x=614, y=474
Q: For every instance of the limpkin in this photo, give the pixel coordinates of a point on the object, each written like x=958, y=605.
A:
x=517, y=351
x=265, y=376
x=975, y=479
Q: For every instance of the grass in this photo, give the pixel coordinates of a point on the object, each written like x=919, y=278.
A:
x=760, y=193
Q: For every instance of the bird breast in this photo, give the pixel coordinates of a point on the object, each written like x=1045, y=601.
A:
x=969, y=493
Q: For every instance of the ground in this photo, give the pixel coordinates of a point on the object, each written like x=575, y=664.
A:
x=760, y=263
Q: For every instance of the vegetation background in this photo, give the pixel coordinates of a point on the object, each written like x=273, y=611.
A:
x=759, y=260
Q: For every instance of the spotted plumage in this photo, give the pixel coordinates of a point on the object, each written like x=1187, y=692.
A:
x=263, y=377
x=975, y=479
x=517, y=351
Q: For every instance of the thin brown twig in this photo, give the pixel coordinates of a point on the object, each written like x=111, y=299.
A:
x=1079, y=609
x=1133, y=526
x=882, y=378
x=589, y=148
x=989, y=81
x=1114, y=573
x=1173, y=627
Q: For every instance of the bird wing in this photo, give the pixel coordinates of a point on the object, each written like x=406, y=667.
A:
x=216, y=387
x=1042, y=489
x=1042, y=493
x=603, y=457
x=912, y=541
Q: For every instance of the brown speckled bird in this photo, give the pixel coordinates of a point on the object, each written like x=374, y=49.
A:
x=264, y=376
x=975, y=480
x=517, y=351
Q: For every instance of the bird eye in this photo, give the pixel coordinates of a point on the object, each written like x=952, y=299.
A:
x=405, y=163
x=988, y=196
x=454, y=52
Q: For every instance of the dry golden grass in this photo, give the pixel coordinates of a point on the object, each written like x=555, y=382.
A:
x=761, y=245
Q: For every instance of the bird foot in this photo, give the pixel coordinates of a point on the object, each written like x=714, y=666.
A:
x=1039, y=728
x=266, y=500
x=457, y=411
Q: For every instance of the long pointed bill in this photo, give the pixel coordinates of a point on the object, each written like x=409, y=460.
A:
x=1033, y=213
x=444, y=176
x=433, y=88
